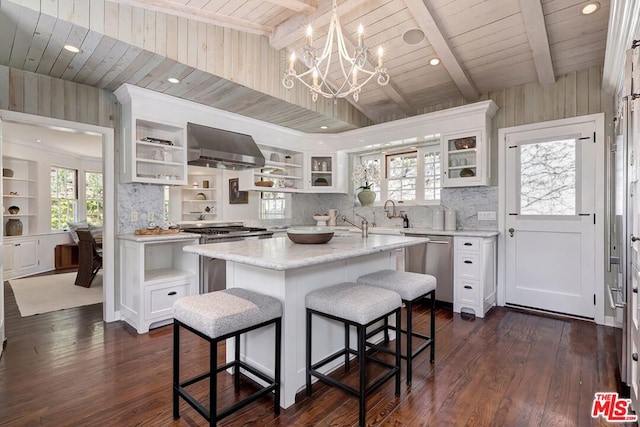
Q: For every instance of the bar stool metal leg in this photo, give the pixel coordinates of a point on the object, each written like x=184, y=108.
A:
x=308, y=355
x=409, y=305
x=213, y=382
x=176, y=369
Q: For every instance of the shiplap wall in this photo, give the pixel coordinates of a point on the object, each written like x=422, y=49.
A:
x=40, y=95
x=574, y=94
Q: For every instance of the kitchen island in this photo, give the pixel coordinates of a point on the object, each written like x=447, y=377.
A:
x=289, y=271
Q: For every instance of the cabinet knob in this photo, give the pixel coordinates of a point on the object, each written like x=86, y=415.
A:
x=635, y=290
x=17, y=244
x=511, y=231
x=634, y=356
x=172, y=293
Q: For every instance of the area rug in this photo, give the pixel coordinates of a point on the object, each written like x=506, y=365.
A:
x=43, y=294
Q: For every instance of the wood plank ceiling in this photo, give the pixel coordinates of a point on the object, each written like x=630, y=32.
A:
x=483, y=45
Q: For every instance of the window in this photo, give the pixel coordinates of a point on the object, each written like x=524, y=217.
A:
x=431, y=162
x=64, y=197
x=401, y=174
x=94, y=197
x=272, y=205
x=409, y=176
x=548, y=178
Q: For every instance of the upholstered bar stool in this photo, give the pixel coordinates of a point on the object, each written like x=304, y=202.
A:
x=217, y=316
x=412, y=287
x=359, y=306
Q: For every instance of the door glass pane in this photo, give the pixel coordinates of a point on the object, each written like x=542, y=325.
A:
x=548, y=178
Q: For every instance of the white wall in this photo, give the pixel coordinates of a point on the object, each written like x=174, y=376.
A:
x=45, y=160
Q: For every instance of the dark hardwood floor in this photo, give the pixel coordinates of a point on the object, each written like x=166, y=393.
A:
x=509, y=369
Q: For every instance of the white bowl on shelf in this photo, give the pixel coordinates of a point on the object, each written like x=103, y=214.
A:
x=321, y=220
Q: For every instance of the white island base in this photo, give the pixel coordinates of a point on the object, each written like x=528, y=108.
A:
x=291, y=287
x=287, y=271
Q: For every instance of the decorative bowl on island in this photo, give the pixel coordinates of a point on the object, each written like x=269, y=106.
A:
x=310, y=235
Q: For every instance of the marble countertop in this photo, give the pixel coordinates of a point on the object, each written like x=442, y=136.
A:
x=280, y=253
x=398, y=231
x=158, y=237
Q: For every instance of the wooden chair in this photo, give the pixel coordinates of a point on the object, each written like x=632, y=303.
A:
x=90, y=258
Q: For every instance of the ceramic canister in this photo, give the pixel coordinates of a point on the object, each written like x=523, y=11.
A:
x=450, y=220
x=438, y=219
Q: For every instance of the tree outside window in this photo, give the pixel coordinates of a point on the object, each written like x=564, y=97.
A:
x=94, y=190
x=402, y=171
x=64, y=197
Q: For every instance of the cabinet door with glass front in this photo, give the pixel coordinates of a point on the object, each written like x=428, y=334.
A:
x=321, y=172
x=465, y=160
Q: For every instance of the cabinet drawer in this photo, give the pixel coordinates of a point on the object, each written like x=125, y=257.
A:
x=468, y=292
x=159, y=299
x=467, y=266
x=468, y=244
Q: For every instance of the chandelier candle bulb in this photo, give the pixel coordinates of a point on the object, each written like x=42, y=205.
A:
x=292, y=60
x=355, y=76
x=315, y=78
x=380, y=53
x=360, y=35
x=309, y=35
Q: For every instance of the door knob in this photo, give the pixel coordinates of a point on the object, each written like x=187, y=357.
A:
x=511, y=230
x=634, y=238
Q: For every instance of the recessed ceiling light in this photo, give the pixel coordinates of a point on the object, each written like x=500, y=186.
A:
x=324, y=127
x=589, y=8
x=38, y=140
x=173, y=80
x=434, y=61
x=413, y=36
x=71, y=48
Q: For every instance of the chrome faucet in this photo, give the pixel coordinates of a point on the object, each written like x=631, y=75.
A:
x=364, y=227
x=393, y=214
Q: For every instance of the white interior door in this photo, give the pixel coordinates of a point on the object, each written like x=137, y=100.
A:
x=550, y=219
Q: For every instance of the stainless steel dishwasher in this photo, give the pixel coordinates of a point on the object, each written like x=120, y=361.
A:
x=435, y=258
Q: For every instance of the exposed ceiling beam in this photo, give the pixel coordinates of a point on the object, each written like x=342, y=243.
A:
x=296, y=5
x=533, y=18
x=292, y=30
x=428, y=25
x=201, y=15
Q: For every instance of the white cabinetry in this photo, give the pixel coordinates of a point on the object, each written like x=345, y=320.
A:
x=155, y=273
x=326, y=172
x=153, y=150
x=19, y=190
x=20, y=257
x=465, y=159
x=474, y=270
x=282, y=172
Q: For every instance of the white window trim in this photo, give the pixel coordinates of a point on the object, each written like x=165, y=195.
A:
x=384, y=194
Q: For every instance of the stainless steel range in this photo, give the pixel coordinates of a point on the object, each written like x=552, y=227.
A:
x=213, y=272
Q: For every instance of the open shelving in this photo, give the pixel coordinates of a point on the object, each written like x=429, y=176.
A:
x=20, y=190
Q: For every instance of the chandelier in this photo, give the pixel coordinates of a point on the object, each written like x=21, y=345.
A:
x=354, y=75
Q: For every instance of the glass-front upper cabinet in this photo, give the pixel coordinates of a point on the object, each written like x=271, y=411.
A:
x=322, y=168
x=465, y=160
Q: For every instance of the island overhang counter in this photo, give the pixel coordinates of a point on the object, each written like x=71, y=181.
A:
x=289, y=271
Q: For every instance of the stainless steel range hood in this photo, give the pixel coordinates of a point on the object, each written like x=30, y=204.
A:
x=217, y=148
